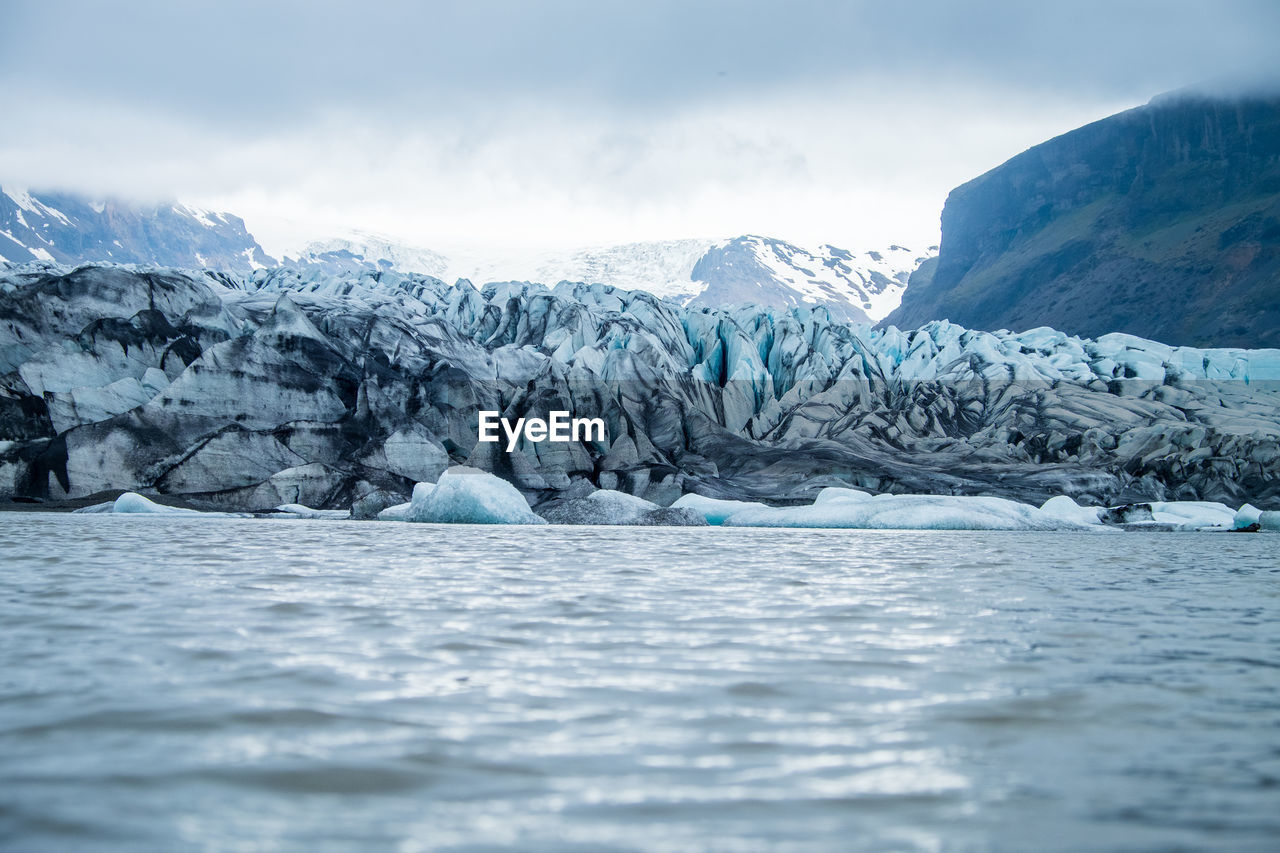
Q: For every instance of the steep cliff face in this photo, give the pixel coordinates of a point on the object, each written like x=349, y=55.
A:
x=1163, y=221
x=286, y=386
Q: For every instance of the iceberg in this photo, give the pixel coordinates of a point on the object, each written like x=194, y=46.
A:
x=469, y=496
x=132, y=503
x=1193, y=514
x=714, y=510
x=1249, y=515
x=417, y=507
x=837, y=493
x=906, y=512
x=1246, y=516
x=302, y=511
x=1066, y=509
x=398, y=512
x=613, y=507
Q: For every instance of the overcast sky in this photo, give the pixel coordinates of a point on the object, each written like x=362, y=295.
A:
x=573, y=123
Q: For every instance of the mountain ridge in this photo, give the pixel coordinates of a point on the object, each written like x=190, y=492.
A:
x=859, y=286
x=68, y=228
x=1162, y=221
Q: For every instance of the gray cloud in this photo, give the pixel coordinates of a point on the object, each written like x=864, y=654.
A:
x=250, y=61
x=611, y=120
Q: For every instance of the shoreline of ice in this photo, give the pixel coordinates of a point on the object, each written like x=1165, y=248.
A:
x=470, y=496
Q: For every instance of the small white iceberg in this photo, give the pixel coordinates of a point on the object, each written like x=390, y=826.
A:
x=905, y=512
x=714, y=510
x=612, y=507
x=1249, y=515
x=132, y=503
x=1065, y=508
x=397, y=512
x=467, y=496
x=1193, y=515
x=302, y=511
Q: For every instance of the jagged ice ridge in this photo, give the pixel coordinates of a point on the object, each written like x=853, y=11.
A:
x=247, y=391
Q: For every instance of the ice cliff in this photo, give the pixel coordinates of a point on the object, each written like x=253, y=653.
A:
x=247, y=391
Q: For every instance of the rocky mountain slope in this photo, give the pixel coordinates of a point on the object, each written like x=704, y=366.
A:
x=1163, y=221
x=68, y=228
x=286, y=386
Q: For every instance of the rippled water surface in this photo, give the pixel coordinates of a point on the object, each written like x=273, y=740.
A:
x=253, y=684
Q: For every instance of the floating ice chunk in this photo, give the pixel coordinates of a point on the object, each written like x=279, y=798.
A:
x=838, y=493
x=1065, y=508
x=398, y=512
x=1192, y=514
x=907, y=512
x=1245, y=516
x=132, y=503
x=612, y=507
x=417, y=502
x=302, y=511
x=470, y=496
x=714, y=510
x=1269, y=520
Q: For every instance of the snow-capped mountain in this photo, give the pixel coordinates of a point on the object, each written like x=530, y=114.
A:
x=359, y=251
x=857, y=286
x=861, y=287
x=69, y=228
x=661, y=267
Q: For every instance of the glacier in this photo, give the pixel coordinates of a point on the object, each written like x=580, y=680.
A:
x=248, y=391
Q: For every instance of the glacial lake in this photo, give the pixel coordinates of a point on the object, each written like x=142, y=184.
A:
x=242, y=684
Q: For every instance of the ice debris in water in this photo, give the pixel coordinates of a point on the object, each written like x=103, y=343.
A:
x=1249, y=515
x=1192, y=514
x=905, y=512
x=397, y=512
x=1245, y=516
x=469, y=496
x=714, y=510
x=132, y=503
x=302, y=511
x=838, y=493
x=837, y=507
x=607, y=506
x=1065, y=508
